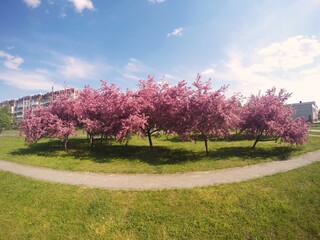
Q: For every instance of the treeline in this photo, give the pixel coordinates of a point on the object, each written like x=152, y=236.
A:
x=6, y=120
x=188, y=111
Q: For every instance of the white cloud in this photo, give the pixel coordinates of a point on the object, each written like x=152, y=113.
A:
x=26, y=80
x=208, y=72
x=244, y=79
x=81, y=5
x=156, y=1
x=32, y=3
x=137, y=70
x=176, y=32
x=131, y=76
x=76, y=68
x=10, y=61
x=134, y=66
x=54, y=71
x=311, y=71
x=293, y=64
x=171, y=78
x=292, y=53
x=134, y=69
x=62, y=15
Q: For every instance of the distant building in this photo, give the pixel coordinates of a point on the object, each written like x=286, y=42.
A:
x=18, y=106
x=308, y=110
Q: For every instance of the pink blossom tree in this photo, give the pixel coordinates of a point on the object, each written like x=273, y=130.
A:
x=120, y=113
x=149, y=97
x=265, y=116
x=164, y=106
x=175, y=108
x=57, y=120
x=88, y=109
x=39, y=124
x=64, y=108
x=208, y=113
x=108, y=112
x=130, y=120
x=295, y=131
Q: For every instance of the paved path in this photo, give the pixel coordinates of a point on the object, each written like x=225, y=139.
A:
x=160, y=181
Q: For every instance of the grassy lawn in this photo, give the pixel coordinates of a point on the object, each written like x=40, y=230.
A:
x=315, y=126
x=170, y=155
x=314, y=133
x=283, y=206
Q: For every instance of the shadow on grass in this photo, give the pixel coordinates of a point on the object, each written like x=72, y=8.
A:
x=230, y=138
x=105, y=152
x=246, y=153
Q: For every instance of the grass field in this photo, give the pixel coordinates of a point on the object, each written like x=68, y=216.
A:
x=170, y=155
x=314, y=133
x=283, y=206
x=315, y=126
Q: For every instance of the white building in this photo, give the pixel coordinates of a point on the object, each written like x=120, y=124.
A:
x=18, y=106
x=308, y=110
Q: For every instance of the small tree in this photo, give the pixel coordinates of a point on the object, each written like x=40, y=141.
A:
x=5, y=118
x=210, y=113
x=164, y=106
x=176, y=106
x=121, y=113
x=295, y=131
x=88, y=110
x=64, y=108
x=57, y=120
x=150, y=100
x=129, y=119
x=38, y=124
x=266, y=116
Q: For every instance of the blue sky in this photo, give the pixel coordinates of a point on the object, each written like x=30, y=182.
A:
x=250, y=45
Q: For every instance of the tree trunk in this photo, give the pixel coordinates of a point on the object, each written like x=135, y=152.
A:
x=91, y=141
x=257, y=140
x=206, y=144
x=150, y=139
x=66, y=144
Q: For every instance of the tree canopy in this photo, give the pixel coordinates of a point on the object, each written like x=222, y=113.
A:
x=266, y=116
x=189, y=111
x=5, y=118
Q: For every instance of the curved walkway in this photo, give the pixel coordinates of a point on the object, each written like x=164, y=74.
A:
x=160, y=181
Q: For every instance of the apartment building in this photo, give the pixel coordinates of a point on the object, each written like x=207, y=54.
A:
x=18, y=106
x=308, y=110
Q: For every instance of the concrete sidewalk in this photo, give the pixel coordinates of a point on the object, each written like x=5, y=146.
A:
x=160, y=181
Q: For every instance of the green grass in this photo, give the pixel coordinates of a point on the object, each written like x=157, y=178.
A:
x=314, y=133
x=315, y=126
x=170, y=155
x=283, y=206
x=10, y=133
